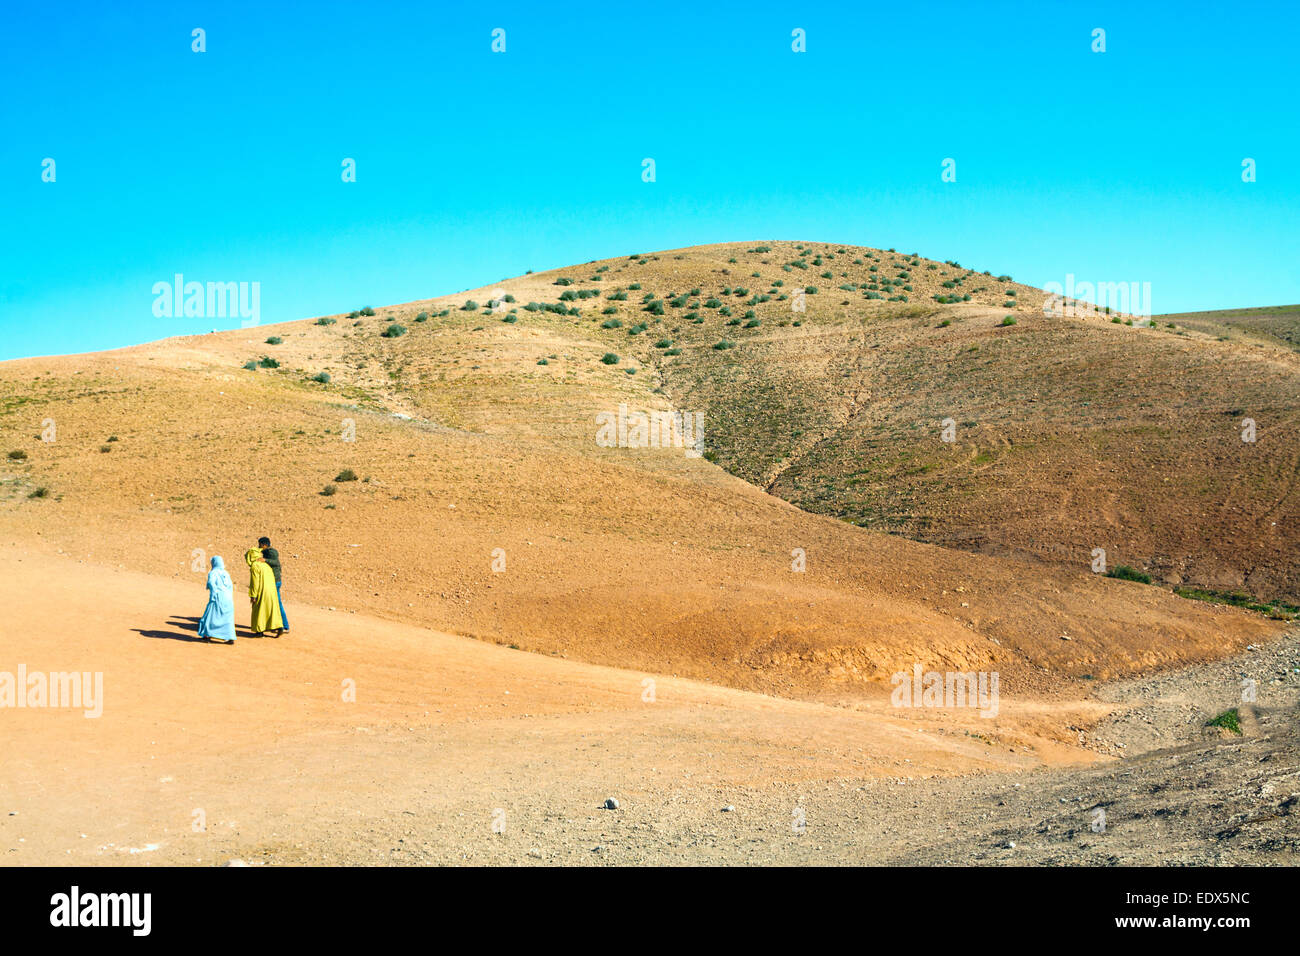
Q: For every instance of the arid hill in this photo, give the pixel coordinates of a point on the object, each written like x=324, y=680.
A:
x=484, y=504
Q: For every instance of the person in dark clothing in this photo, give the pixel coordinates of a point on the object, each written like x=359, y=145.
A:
x=272, y=557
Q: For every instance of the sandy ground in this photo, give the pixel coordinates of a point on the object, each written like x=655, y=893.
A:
x=659, y=631
x=207, y=754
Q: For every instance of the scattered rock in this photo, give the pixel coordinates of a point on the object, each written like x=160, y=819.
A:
x=610, y=804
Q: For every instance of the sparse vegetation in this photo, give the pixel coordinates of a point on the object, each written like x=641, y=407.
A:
x=1229, y=720
x=1125, y=573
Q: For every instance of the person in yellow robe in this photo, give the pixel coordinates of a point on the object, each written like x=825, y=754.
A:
x=261, y=591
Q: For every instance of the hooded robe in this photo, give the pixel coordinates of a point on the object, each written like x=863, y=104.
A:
x=218, y=620
x=261, y=590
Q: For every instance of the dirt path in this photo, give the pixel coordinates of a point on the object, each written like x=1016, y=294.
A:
x=449, y=736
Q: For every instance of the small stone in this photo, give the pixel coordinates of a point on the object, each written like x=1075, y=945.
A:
x=611, y=804
x=728, y=809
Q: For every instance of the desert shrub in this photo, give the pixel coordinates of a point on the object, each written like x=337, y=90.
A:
x=663, y=343
x=366, y=311
x=322, y=377
x=945, y=323
x=753, y=324
x=723, y=345
x=1229, y=720
x=612, y=324
x=635, y=286
x=105, y=449
x=41, y=492
x=18, y=455
x=543, y=362
x=673, y=352
x=325, y=321
x=251, y=365
x=267, y=362
x=608, y=310
x=563, y=281
x=469, y=306
x=1008, y=304
x=712, y=304
x=275, y=340
x=1009, y=320
x=394, y=331
x=609, y=358
x=347, y=474
x=329, y=490
x=1125, y=573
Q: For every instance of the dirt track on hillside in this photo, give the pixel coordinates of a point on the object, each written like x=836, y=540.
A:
x=449, y=736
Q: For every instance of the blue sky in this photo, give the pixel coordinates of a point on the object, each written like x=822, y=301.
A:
x=473, y=166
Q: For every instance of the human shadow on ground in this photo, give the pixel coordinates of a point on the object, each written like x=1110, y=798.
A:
x=188, y=631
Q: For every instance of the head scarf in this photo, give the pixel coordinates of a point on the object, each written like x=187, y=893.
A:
x=219, y=579
x=252, y=556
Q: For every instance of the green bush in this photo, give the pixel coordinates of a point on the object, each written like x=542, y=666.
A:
x=347, y=474
x=1125, y=573
x=18, y=455
x=469, y=306
x=1009, y=320
x=1229, y=720
x=275, y=340
x=394, y=331
x=266, y=362
x=329, y=491
x=322, y=377
x=723, y=345
x=609, y=358
x=325, y=321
